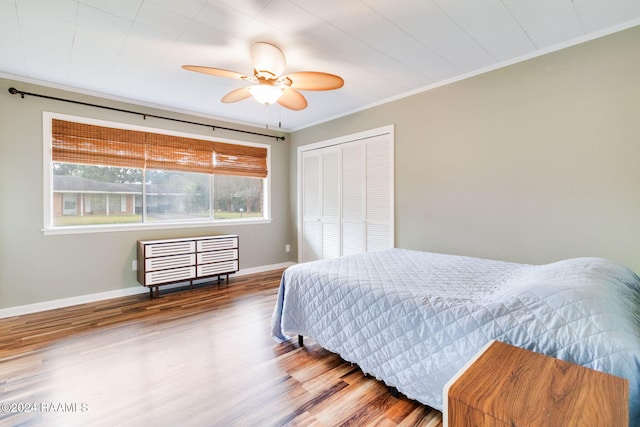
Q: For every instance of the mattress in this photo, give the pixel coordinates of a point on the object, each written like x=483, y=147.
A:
x=413, y=319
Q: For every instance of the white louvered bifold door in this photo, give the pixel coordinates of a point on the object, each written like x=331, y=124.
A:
x=311, y=207
x=353, y=199
x=331, y=186
x=379, y=194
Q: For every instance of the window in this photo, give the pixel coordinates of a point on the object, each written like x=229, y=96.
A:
x=109, y=175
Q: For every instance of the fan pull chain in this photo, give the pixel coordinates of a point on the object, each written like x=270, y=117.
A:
x=266, y=119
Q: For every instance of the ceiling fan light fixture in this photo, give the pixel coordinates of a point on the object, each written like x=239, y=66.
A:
x=266, y=94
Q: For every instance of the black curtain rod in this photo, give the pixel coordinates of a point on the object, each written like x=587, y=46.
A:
x=14, y=91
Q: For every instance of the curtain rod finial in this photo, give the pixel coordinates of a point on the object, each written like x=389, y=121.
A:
x=13, y=91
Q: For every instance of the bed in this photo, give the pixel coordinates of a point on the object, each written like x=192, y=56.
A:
x=413, y=319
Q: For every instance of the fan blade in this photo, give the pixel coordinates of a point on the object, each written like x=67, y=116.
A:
x=236, y=95
x=292, y=99
x=267, y=57
x=314, y=80
x=216, y=72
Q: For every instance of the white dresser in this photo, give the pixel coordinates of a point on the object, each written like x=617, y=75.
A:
x=167, y=261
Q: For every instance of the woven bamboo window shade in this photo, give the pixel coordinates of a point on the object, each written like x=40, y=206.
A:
x=98, y=145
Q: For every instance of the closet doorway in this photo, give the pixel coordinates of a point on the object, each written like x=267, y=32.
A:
x=345, y=195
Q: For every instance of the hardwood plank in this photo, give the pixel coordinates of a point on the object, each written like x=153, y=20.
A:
x=197, y=357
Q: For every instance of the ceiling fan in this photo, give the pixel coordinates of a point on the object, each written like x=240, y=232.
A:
x=271, y=85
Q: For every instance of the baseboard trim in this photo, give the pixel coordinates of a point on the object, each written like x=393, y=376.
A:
x=134, y=290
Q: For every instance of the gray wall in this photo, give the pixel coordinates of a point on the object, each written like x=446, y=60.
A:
x=36, y=267
x=531, y=163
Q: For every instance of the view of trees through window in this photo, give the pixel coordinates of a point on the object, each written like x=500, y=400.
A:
x=92, y=195
x=237, y=194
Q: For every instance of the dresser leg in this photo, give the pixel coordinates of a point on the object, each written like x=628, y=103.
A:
x=301, y=340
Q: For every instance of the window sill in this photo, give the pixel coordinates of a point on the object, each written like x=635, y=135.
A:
x=150, y=226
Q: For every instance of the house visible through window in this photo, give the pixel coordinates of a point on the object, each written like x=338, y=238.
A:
x=104, y=175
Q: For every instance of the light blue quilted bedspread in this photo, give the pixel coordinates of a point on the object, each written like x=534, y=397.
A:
x=413, y=319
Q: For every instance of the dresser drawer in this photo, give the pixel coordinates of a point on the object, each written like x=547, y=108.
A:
x=169, y=248
x=217, y=244
x=217, y=256
x=165, y=262
x=173, y=275
x=217, y=268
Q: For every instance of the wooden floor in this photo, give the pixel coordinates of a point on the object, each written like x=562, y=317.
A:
x=196, y=358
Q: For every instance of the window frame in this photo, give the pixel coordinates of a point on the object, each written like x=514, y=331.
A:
x=49, y=228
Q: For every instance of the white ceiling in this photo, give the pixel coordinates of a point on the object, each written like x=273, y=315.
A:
x=384, y=49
